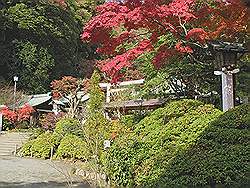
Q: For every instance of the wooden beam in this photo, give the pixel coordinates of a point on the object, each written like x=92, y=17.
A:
x=125, y=83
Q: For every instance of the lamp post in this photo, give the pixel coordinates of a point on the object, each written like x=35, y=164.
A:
x=226, y=56
x=15, y=81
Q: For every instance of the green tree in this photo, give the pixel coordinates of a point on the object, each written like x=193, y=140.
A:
x=52, y=29
x=34, y=65
x=96, y=124
x=96, y=128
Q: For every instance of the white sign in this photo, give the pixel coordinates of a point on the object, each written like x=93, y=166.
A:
x=106, y=144
x=1, y=122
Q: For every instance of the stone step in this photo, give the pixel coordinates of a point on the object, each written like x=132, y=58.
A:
x=6, y=154
x=14, y=136
x=10, y=147
x=11, y=141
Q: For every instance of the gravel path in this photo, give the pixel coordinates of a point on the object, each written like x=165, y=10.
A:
x=36, y=173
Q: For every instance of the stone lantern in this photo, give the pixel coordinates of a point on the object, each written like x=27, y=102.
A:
x=226, y=56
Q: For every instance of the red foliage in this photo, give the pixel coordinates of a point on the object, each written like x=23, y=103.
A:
x=183, y=49
x=124, y=60
x=24, y=112
x=68, y=85
x=21, y=114
x=144, y=21
x=164, y=53
x=198, y=34
x=9, y=114
x=228, y=20
x=65, y=85
x=48, y=121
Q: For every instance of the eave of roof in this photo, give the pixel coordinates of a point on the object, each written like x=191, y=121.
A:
x=136, y=104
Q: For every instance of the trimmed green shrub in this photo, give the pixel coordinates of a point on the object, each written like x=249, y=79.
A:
x=40, y=147
x=128, y=120
x=219, y=158
x=66, y=126
x=35, y=132
x=140, y=158
x=131, y=120
x=199, y=148
x=71, y=146
x=238, y=118
x=26, y=148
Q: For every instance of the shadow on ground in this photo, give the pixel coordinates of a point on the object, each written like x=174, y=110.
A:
x=50, y=184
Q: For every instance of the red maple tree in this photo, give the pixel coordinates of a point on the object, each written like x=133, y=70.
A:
x=141, y=23
x=69, y=88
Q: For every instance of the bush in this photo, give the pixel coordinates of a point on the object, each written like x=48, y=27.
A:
x=142, y=157
x=132, y=119
x=219, y=158
x=35, y=132
x=72, y=146
x=39, y=147
x=66, y=126
x=48, y=121
x=7, y=125
x=26, y=148
x=199, y=148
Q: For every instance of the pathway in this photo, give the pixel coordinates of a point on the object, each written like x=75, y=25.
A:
x=35, y=173
x=29, y=172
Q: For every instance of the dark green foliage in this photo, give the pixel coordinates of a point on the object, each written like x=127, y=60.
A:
x=7, y=125
x=33, y=65
x=39, y=42
x=128, y=120
x=243, y=78
x=71, y=146
x=131, y=120
x=186, y=76
x=66, y=126
x=237, y=118
x=140, y=158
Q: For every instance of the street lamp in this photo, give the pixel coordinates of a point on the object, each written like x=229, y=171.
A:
x=226, y=56
x=15, y=81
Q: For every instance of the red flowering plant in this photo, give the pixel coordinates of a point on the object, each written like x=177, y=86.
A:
x=126, y=29
x=19, y=115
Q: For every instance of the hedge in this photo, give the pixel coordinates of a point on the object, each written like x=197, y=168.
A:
x=191, y=146
x=140, y=158
x=220, y=158
x=71, y=146
x=66, y=126
x=40, y=147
